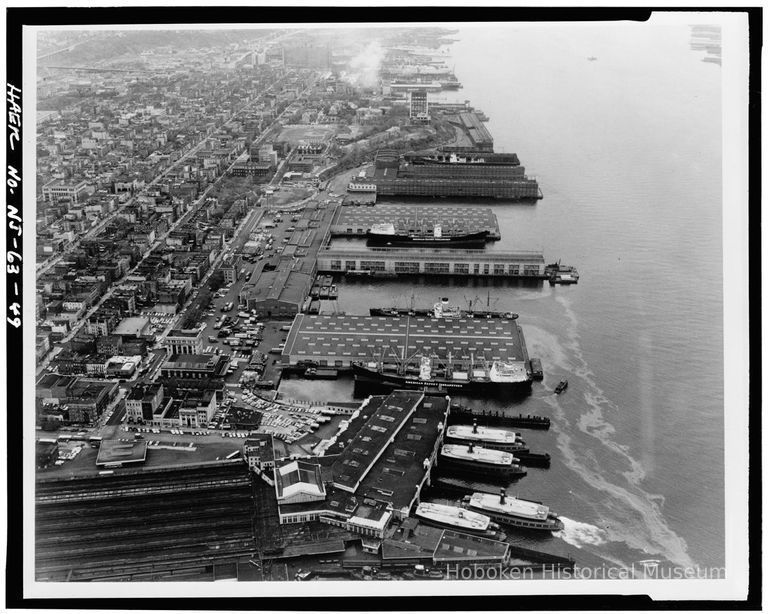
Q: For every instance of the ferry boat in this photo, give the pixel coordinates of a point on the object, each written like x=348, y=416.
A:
x=454, y=517
x=493, y=439
x=490, y=464
x=515, y=512
x=501, y=376
x=386, y=235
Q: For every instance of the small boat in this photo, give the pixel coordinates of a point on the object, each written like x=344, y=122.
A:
x=592, y=58
x=561, y=386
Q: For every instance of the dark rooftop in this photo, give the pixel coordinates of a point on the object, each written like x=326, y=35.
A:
x=363, y=451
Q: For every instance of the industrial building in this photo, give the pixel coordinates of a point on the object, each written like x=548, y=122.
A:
x=476, y=174
x=277, y=294
x=478, y=134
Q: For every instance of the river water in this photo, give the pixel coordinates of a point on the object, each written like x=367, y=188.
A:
x=627, y=152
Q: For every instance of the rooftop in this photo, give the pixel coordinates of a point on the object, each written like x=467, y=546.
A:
x=365, y=337
x=299, y=478
x=115, y=451
x=357, y=459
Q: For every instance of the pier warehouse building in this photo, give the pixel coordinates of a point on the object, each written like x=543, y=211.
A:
x=374, y=473
x=472, y=174
x=408, y=261
x=340, y=340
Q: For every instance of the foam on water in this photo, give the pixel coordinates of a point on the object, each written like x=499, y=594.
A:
x=579, y=534
x=629, y=513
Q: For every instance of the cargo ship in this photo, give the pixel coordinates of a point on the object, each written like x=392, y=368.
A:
x=386, y=235
x=514, y=512
x=441, y=310
x=454, y=517
x=494, y=439
x=484, y=462
x=507, y=377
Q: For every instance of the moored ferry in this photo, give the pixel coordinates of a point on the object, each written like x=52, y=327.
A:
x=472, y=459
x=511, y=511
x=495, y=439
x=454, y=517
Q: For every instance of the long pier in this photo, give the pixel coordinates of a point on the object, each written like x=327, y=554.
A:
x=356, y=221
x=396, y=261
x=340, y=340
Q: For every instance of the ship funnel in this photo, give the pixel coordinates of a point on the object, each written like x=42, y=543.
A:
x=474, y=426
x=502, y=496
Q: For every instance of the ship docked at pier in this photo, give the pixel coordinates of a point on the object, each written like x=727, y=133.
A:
x=386, y=235
x=442, y=310
x=495, y=439
x=453, y=517
x=498, y=377
x=514, y=512
x=476, y=460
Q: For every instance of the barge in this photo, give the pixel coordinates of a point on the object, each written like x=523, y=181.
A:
x=461, y=414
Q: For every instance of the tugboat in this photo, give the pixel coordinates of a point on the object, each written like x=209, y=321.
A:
x=561, y=386
x=514, y=512
x=561, y=274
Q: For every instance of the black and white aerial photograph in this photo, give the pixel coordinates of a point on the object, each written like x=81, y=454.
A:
x=329, y=307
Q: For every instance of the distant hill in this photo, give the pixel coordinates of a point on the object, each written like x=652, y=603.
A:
x=100, y=46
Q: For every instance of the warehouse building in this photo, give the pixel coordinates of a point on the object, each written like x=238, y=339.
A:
x=279, y=293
